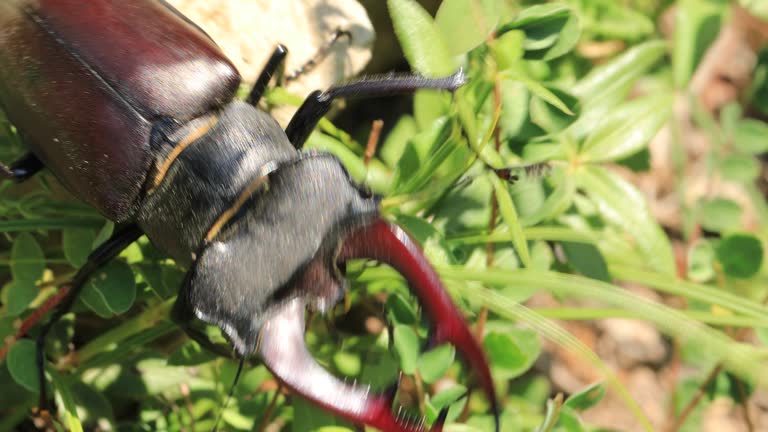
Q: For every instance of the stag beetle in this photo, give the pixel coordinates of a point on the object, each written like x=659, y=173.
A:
x=131, y=106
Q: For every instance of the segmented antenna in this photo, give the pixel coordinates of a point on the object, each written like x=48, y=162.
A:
x=321, y=54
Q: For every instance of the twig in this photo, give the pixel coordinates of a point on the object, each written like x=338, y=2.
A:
x=34, y=317
x=745, y=402
x=184, y=389
x=270, y=410
x=700, y=392
x=419, y=392
x=373, y=140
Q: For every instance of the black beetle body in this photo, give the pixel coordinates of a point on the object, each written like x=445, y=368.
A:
x=130, y=106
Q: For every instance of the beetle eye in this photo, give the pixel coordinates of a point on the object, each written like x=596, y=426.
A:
x=364, y=191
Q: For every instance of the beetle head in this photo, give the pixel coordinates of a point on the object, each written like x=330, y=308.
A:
x=283, y=255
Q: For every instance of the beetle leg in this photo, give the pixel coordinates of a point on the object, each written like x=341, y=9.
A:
x=103, y=254
x=318, y=103
x=282, y=347
x=389, y=244
x=24, y=168
x=275, y=66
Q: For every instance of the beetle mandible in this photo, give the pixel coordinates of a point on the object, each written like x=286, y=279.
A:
x=131, y=106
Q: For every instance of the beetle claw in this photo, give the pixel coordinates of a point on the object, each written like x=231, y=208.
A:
x=389, y=244
x=282, y=347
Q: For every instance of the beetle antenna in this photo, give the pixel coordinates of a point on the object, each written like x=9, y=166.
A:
x=230, y=393
x=320, y=55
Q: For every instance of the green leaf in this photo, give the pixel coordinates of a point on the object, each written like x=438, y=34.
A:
x=750, y=136
x=476, y=18
x=21, y=364
x=615, y=21
x=453, y=398
x=394, y=146
x=93, y=407
x=700, y=259
x=550, y=416
x=568, y=31
x=509, y=215
x=104, y=234
x=539, y=90
x=556, y=203
x=627, y=130
x=622, y=205
x=406, y=344
x=569, y=421
x=411, y=170
x=309, y=417
x=448, y=397
x=66, y=404
x=508, y=50
x=429, y=106
x=740, y=168
x=422, y=42
x=347, y=363
x=433, y=364
x=112, y=290
x=551, y=30
x=586, y=398
x=741, y=255
x=730, y=116
x=77, y=244
x=548, y=117
x=400, y=310
x=620, y=72
x=514, y=108
x=719, y=214
x=190, y=354
x=697, y=24
x=27, y=259
x=513, y=352
x=586, y=259
x=20, y=295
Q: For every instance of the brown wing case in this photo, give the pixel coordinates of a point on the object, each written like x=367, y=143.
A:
x=84, y=81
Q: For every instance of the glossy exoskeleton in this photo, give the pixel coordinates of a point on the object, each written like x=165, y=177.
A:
x=131, y=106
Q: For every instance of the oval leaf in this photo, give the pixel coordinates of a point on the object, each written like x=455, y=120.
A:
x=509, y=215
x=20, y=295
x=628, y=129
x=622, y=205
x=406, y=344
x=740, y=168
x=434, y=364
x=750, y=136
x=21, y=364
x=586, y=398
x=720, y=214
x=476, y=18
x=77, y=245
x=111, y=290
x=586, y=259
x=741, y=255
x=420, y=39
x=513, y=352
x=27, y=259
